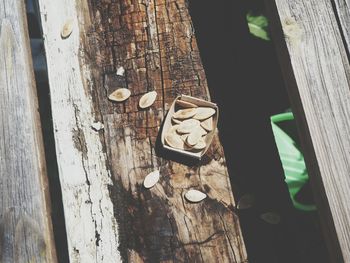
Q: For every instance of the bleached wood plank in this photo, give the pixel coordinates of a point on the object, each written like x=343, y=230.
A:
x=25, y=222
x=155, y=43
x=316, y=69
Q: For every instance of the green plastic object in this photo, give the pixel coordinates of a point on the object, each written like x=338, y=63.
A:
x=292, y=160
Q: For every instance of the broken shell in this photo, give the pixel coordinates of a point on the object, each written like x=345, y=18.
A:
x=174, y=140
x=194, y=137
x=185, y=113
x=67, y=29
x=271, y=218
x=97, y=126
x=195, y=196
x=188, y=125
x=120, y=71
x=208, y=124
x=151, y=179
x=175, y=120
x=186, y=104
x=147, y=99
x=120, y=95
x=246, y=201
x=200, y=145
x=204, y=113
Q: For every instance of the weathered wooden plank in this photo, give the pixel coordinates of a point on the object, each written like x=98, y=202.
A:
x=101, y=172
x=316, y=69
x=25, y=222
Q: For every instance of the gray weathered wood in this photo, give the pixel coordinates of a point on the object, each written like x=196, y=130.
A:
x=109, y=216
x=25, y=222
x=316, y=69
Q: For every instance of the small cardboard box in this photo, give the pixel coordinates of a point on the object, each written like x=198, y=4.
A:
x=168, y=124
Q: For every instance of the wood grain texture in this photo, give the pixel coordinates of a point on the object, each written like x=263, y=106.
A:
x=25, y=222
x=154, y=41
x=316, y=69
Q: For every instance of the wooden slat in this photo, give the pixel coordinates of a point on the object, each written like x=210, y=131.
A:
x=316, y=69
x=109, y=216
x=25, y=223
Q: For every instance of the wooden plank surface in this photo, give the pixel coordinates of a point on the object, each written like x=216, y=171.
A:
x=316, y=69
x=25, y=222
x=109, y=215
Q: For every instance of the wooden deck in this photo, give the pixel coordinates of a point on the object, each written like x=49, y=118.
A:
x=312, y=38
x=109, y=216
x=25, y=221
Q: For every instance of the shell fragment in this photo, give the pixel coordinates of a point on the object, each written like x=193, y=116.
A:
x=97, y=126
x=186, y=104
x=147, y=99
x=200, y=145
x=151, y=179
x=194, y=137
x=208, y=124
x=67, y=29
x=271, y=218
x=174, y=140
x=187, y=126
x=120, y=71
x=120, y=95
x=185, y=113
x=195, y=196
x=204, y=113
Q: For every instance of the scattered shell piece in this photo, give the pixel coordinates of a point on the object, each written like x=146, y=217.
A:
x=188, y=125
x=271, y=218
x=120, y=71
x=208, y=124
x=194, y=137
x=204, y=113
x=67, y=29
x=151, y=179
x=147, y=99
x=200, y=145
x=246, y=201
x=120, y=95
x=186, y=104
x=174, y=140
x=97, y=126
x=195, y=196
x=185, y=113
x=175, y=120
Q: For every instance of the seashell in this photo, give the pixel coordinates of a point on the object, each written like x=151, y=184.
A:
x=200, y=145
x=271, y=218
x=185, y=113
x=120, y=71
x=208, y=124
x=147, y=99
x=174, y=140
x=188, y=125
x=97, y=126
x=195, y=196
x=246, y=201
x=186, y=104
x=194, y=137
x=204, y=113
x=67, y=29
x=120, y=95
x=151, y=179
